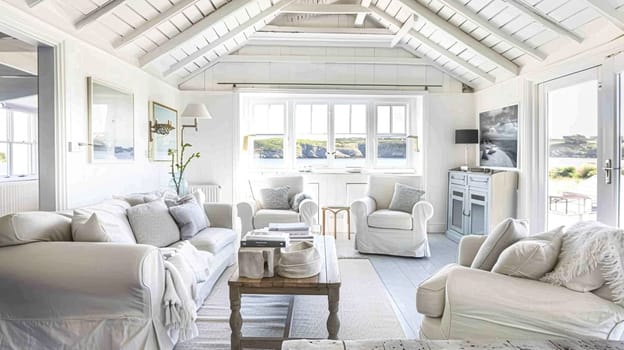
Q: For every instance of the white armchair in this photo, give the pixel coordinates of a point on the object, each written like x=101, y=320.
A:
x=383, y=231
x=253, y=216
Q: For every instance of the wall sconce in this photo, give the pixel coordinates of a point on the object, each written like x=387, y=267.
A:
x=416, y=143
x=196, y=111
x=159, y=128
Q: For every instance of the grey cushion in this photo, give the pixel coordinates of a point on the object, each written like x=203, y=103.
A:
x=152, y=224
x=140, y=198
x=213, y=239
x=275, y=198
x=87, y=227
x=296, y=200
x=36, y=226
x=405, y=197
x=502, y=236
x=190, y=218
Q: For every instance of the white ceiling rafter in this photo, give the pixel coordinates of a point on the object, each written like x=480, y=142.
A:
x=103, y=10
x=359, y=19
x=332, y=9
x=400, y=61
x=193, y=31
x=385, y=19
x=608, y=12
x=405, y=28
x=496, y=31
x=331, y=37
x=461, y=36
x=256, y=20
x=543, y=20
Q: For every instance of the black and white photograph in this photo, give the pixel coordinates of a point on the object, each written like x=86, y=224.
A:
x=498, y=144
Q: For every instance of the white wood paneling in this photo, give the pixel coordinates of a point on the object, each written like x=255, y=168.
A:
x=19, y=196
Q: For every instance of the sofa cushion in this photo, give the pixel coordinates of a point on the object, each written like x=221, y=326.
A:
x=87, y=227
x=586, y=282
x=431, y=293
x=152, y=224
x=140, y=198
x=112, y=215
x=405, y=197
x=264, y=217
x=531, y=257
x=190, y=217
x=35, y=226
x=275, y=198
x=502, y=236
x=213, y=239
x=390, y=219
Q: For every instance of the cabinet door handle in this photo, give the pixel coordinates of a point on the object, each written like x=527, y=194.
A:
x=464, y=213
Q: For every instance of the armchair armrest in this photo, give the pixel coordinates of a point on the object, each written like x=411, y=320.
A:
x=308, y=209
x=246, y=212
x=75, y=280
x=363, y=207
x=468, y=248
x=219, y=214
x=422, y=211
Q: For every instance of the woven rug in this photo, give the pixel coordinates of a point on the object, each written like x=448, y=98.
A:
x=365, y=311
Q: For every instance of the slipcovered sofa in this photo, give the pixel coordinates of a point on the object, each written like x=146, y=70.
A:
x=460, y=302
x=57, y=294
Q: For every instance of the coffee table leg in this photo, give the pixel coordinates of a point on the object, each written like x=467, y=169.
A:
x=333, y=323
x=236, y=321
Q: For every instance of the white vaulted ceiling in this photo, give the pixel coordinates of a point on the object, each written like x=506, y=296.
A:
x=478, y=42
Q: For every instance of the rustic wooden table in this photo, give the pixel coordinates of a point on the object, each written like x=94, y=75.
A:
x=327, y=282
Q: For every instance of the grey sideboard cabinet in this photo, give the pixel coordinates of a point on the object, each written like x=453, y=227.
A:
x=479, y=199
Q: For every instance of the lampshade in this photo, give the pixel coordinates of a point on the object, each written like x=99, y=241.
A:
x=466, y=136
x=196, y=110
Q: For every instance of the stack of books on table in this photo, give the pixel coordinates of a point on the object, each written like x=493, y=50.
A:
x=264, y=238
x=296, y=231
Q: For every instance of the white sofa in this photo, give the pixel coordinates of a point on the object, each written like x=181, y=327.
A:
x=460, y=302
x=57, y=293
x=383, y=231
x=253, y=216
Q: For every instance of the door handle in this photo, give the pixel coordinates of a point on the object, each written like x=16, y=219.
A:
x=608, y=169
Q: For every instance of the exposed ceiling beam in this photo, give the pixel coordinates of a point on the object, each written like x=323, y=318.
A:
x=608, y=12
x=385, y=19
x=99, y=12
x=323, y=39
x=323, y=30
x=495, y=30
x=194, y=30
x=258, y=19
x=399, y=61
x=154, y=22
x=479, y=48
x=543, y=20
x=333, y=9
x=359, y=19
x=407, y=26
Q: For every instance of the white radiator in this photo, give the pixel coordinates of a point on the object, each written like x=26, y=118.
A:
x=212, y=192
x=18, y=196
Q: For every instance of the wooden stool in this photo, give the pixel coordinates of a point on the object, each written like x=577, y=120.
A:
x=335, y=210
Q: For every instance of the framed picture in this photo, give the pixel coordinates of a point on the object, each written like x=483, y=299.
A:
x=498, y=144
x=163, y=131
x=111, y=122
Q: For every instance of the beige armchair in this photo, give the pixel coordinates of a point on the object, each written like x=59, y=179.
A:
x=380, y=230
x=253, y=216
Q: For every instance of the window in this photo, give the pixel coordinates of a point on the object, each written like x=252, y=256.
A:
x=350, y=135
x=268, y=125
x=18, y=147
x=391, y=136
x=311, y=121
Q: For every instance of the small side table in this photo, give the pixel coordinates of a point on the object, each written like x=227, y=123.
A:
x=335, y=210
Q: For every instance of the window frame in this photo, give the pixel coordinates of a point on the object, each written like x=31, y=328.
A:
x=293, y=124
x=31, y=143
x=285, y=135
x=409, y=159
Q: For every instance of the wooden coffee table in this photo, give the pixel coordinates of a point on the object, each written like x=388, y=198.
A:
x=325, y=283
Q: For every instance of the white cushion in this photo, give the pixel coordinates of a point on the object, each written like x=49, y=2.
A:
x=431, y=293
x=112, y=215
x=586, y=282
x=36, y=226
x=531, y=257
x=87, y=227
x=153, y=225
x=264, y=217
x=502, y=236
x=390, y=219
x=213, y=239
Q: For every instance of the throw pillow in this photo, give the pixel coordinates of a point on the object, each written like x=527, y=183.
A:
x=173, y=201
x=190, y=218
x=502, y=236
x=586, y=282
x=152, y=224
x=140, y=198
x=34, y=226
x=405, y=197
x=531, y=257
x=87, y=227
x=275, y=198
x=296, y=200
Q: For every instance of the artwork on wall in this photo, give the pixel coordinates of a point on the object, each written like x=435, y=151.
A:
x=498, y=144
x=111, y=122
x=163, y=131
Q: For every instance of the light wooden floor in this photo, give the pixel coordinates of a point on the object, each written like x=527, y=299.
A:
x=401, y=276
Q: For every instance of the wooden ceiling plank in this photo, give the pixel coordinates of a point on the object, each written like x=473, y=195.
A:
x=407, y=26
x=608, y=12
x=97, y=13
x=543, y=20
x=332, y=9
x=359, y=18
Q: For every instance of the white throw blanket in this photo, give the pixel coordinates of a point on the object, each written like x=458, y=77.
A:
x=587, y=246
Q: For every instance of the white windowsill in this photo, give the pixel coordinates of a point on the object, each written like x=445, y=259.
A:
x=18, y=179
